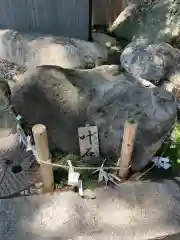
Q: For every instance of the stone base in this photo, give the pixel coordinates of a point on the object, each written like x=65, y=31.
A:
x=135, y=210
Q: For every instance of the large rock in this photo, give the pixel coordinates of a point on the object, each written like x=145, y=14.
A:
x=64, y=100
x=155, y=62
x=31, y=50
x=153, y=21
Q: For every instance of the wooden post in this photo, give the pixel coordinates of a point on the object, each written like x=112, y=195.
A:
x=41, y=144
x=124, y=160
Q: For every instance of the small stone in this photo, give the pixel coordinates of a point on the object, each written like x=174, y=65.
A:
x=33, y=190
x=89, y=194
x=38, y=185
x=39, y=191
x=156, y=63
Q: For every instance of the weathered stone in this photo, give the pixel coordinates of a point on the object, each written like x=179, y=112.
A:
x=64, y=100
x=153, y=21
x=13, y=155
x=31, y=50
x=7, y=121
x=155, y=63
x=112, y=45
x=10, y=71
x=136, y=210
x=126, y=25
x=105, y=40
x=89, y=194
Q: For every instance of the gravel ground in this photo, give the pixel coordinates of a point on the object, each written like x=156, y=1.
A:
x=10, y=71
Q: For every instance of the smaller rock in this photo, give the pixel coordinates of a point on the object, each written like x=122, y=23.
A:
x=155, y=63
x=168, y=86
x=39, y=185
x=125, y=26
x=10, y=71
x=155, y=21
x=104, y=39
x=110, y=70
x=42, y=49
x=112, y=45
x=89, y=194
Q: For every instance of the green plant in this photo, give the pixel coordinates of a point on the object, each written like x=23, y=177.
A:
x=173, y=150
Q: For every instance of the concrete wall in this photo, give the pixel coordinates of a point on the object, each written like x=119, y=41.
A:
x=58, y=17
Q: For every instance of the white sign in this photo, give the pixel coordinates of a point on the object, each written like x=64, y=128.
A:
x=88, y=141
x=163, y=162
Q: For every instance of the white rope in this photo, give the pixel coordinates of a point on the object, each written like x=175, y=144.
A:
x=27, y=143
x=30, y=147
x=103, y=175
x=67, y=167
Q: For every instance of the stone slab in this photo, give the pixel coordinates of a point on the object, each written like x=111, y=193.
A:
x=133, y=211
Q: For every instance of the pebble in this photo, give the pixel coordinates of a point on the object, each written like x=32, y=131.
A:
x=89, y=194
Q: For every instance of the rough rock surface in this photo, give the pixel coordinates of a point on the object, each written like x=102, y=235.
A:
x=10, y=71
x=12, y=154
x=155, y=62
x=104, y=39
x=133, y=211
x=64, y=100
x=113, y=46
x=153, y=21
x=126, y=24
x=7, y=121
x=31, y=50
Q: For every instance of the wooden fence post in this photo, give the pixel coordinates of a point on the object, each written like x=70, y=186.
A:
x=124, y=160
x=41, y=144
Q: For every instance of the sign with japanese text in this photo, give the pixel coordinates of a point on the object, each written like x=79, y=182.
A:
x=88, y=141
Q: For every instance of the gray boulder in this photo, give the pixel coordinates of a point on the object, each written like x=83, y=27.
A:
x=7, y=121
x=127, y=23
x=153, y=21
x=9, y=74
x=64, y=100
x=155, y=62
x=31, y=50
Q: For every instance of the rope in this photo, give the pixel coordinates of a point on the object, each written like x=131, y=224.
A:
x=32, y=148
x=10, y=108
x=81, y=168
x=144, y=173
x=12, y=112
